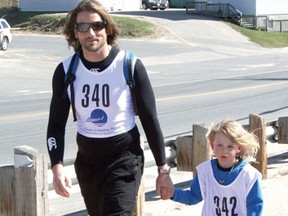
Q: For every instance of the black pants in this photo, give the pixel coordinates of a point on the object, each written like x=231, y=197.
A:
x=110, y=185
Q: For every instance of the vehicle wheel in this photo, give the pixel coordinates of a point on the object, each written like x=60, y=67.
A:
x=4, y=44
x=144, y=6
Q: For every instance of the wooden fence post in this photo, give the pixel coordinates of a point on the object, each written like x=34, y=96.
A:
x=283, y=130
x=257, y=126
x=31, y=184
x=201, y=148
x=7, y=198
x=184, y=153
x=139, y=206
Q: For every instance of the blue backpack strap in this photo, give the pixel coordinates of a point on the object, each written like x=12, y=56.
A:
x=70, y=75
x=128, y=68
x=69, y=80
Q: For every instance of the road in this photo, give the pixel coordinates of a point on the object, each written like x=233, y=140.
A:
x=202, y=71
x=197, y=77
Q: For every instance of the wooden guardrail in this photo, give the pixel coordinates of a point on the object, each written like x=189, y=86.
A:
x=192, y=150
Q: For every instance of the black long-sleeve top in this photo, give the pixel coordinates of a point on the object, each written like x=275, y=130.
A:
x=59, y=111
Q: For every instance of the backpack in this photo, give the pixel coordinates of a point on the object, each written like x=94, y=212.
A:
x=128, y=70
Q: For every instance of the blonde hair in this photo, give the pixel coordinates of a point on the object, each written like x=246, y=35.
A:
x=238, y=135
x=113, y=31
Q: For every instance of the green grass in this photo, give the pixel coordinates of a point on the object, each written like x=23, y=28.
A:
x=53, y=23
x=37, y=21
x=263, y=38
x=134, y=28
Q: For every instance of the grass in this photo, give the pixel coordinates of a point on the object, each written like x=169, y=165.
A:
x=264, y=38
x=36, y=22
x=51, y=23
x=135, y=28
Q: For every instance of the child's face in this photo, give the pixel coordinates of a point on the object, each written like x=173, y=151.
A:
x=225, y=150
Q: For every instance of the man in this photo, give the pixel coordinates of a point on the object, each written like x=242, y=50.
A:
x=109, y=162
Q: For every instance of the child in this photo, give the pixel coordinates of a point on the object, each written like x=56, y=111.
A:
x=228, y=184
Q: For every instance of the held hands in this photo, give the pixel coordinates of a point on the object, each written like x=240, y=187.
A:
x=61, y=182
x=166, y=193
x=164, y=186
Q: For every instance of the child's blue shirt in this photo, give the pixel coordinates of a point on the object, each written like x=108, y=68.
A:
x=254, y=199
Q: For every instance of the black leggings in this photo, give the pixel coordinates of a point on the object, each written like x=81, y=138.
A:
x=110, y=185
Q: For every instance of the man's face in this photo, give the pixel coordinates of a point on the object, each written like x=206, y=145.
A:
x=90, y=40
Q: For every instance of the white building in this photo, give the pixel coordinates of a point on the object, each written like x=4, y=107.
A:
x=67, y=5
x=257, y=7
x=256, y=14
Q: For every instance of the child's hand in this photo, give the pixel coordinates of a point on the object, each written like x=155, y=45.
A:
x=166, y=192
x=164, y=183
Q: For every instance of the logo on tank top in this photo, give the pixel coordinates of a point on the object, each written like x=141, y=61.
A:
x=95, y=69
x=98, y=117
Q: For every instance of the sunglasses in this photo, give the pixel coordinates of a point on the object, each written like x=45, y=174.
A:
x=96, y=26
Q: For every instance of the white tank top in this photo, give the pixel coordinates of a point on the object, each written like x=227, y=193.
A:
x=103, y=100
x=222, y=200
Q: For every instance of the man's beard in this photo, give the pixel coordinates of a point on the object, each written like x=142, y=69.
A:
x=93, y=47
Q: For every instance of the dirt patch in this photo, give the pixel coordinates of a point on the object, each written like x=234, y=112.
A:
x=7, y=6
x=8, y=3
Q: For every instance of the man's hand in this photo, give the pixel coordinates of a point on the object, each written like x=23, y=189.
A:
x=60, y=181
x=164, y=186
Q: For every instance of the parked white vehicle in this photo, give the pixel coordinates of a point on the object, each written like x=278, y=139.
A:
x=5, y=34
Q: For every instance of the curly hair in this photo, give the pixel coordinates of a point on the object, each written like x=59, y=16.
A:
x=112, y=30
x=238, y=135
